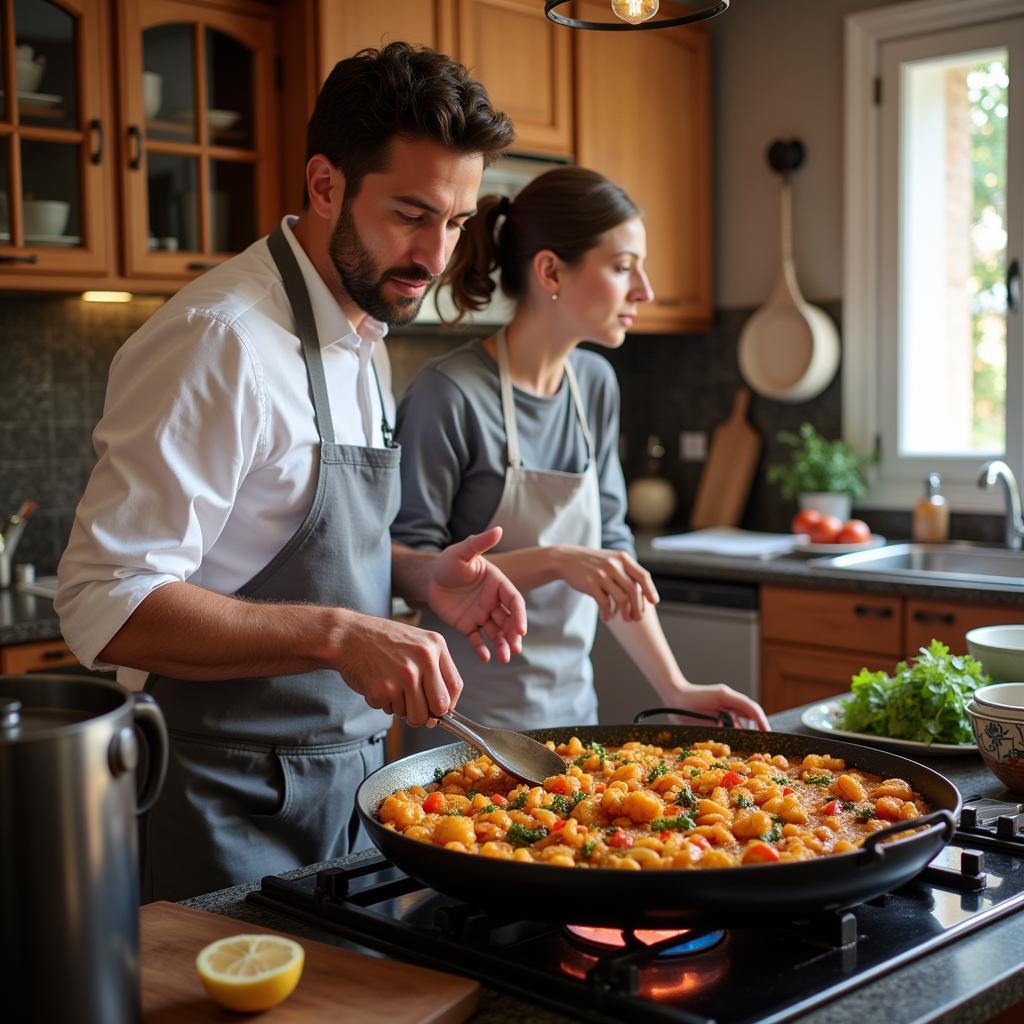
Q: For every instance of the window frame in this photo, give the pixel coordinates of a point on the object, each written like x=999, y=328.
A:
x=864, y=417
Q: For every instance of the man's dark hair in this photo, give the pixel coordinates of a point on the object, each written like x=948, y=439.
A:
x=400, y=91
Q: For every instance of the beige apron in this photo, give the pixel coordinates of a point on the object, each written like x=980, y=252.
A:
x=551, y=682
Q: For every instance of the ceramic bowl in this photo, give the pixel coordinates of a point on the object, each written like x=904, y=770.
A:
x=1000, y=649
x=1003, y=699
x=28, y=71
x=1001, y=745
x=45, y=216
x=152, y=94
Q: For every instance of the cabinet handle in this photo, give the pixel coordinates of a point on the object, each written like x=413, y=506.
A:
x=96, y=125
x=1013, y=286
x=19, y=259
x=870, y=611
x=54, y=655
x=134, y=147
x=200, y=265
x=946, y=618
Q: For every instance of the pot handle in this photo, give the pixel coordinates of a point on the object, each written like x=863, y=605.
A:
x=937, y=820
x=723, y=718
x=150, y=720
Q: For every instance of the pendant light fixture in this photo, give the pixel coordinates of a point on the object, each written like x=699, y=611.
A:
x=632, y=14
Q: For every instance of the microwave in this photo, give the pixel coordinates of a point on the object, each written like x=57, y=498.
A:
x=505, y=177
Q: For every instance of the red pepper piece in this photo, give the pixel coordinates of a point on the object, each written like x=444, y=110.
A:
x=730, y=779
x=621, y=839
x=434, y=804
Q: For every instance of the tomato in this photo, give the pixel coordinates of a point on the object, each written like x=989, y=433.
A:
x=434, y=804
x=730, y=779
x=558, y=784
x=804, y=520
x=787, y=790
x=621, y=839
x=854, y=531
x=760, y=853
x=832, y=807
x=498, y=800
x=558, y=825
x=826, y=530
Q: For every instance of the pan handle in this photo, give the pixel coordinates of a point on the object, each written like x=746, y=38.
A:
x=723, y=718
x=937, y=820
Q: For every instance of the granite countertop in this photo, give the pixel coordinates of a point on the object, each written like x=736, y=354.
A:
x=966, y=982
x=25, y=618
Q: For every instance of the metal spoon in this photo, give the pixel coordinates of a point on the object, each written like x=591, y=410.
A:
x=523, y=758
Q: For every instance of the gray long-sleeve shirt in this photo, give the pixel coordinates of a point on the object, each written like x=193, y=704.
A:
x=454, y=450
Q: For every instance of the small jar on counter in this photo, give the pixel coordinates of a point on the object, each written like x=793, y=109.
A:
x=931, y=514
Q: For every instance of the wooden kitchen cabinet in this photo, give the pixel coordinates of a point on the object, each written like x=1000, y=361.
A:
x=56, y=142
x=522, y=58
x=17, y=659
x=643, y=119
x=813, y=641
x=158, y=187
x=949, y=621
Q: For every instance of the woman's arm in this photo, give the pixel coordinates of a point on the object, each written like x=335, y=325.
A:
x=644, y=641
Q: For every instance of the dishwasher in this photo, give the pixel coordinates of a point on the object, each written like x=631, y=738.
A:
x=712, y=629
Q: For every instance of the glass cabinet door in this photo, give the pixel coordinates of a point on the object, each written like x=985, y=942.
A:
x=201, y=128
x=51, y=138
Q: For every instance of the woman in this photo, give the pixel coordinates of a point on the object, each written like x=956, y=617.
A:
x=521, y=430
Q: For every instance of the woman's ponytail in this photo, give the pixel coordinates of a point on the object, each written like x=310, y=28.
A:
x=468, y=274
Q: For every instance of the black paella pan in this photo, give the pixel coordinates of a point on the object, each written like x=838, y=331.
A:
x=672, y=898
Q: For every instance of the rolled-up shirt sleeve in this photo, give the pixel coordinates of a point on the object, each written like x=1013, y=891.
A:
x=183, y=423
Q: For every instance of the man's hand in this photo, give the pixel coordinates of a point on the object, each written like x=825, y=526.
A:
x=477, y=598
x=618, y=583
x=402, y=670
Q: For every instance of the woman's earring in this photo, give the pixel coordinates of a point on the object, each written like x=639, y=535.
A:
x=554, y=296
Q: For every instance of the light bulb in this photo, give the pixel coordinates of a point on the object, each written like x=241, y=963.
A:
x=634, y=11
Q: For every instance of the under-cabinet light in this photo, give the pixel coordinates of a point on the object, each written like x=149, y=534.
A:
x=107, y=296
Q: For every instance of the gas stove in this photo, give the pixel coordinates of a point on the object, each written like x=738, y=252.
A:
x=761, y=974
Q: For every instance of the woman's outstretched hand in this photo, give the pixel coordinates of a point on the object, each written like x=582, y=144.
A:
x=616, y=581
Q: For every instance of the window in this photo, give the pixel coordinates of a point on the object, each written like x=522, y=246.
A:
x=933, y=378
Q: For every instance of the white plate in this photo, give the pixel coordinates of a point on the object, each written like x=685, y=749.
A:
x=5, y=236
x=875, y=541
x=216, y=119
x=41, y=99
x=822, y=718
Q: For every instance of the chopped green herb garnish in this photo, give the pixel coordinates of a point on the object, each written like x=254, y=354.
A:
x=489, y=809
x=519, y=803
x=578, y=796
x=695, y=772
x=686, y=798
x=685, y=753
x=743, y=801
x=595, y=749
x=773, y=835
x=521, y=836
x=560, y=805
x=472, y=793
x=588, y=848
x=848, y=805
x=683, y=822
x=780, y=780
x=657, y=772
x=865, y=813
x=819, y=780
x=718, y=764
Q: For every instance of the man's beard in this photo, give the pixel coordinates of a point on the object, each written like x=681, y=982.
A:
x=362, y=280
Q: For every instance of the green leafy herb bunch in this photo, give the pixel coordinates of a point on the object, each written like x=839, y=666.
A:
x=819, y=465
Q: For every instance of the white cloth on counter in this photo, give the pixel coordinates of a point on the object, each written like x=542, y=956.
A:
x=207, y=447
x=727, y=540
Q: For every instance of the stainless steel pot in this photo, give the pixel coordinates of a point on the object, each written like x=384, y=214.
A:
x=69, y=872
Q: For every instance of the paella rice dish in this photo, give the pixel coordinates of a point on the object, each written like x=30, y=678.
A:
x=642, y=807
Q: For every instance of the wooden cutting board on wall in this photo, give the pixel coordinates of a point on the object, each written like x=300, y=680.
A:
x=732, y=459
x=336, y=984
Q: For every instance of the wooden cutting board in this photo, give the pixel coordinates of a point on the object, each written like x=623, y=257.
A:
x=728, y=473
x=336, y=984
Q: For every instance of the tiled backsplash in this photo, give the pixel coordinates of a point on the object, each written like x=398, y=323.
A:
x=56, y=352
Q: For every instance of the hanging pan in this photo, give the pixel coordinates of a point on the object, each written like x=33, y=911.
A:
x=789, y=349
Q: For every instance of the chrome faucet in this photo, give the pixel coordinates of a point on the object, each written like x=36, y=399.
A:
x=1014, y=524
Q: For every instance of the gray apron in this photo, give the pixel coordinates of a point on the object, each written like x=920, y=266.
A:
x=552, y=681
x=263, y=772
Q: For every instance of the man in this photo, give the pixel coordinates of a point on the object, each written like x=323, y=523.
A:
x=232, y=548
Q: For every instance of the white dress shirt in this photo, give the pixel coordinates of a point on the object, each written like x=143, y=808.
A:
x=207, y=447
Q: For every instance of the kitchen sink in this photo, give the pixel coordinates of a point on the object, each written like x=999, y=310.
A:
x=968, y=563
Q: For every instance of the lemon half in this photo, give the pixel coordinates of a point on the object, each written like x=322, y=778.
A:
x=250, y=972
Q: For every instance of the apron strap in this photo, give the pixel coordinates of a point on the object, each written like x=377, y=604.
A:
x=508, y=406
x=305, y=325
